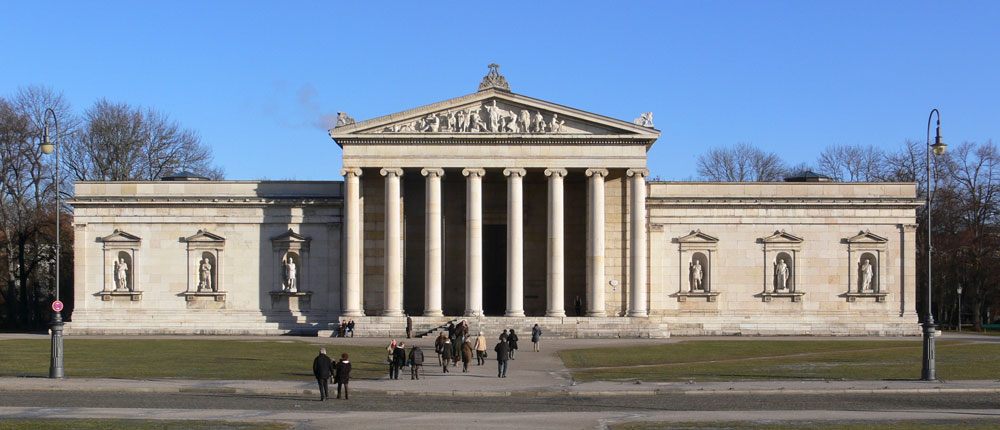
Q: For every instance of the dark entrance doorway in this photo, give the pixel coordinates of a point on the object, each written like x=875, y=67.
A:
x=494, y=270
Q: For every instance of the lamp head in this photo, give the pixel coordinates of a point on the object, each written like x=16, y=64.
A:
x=960, y=289
x=45, y=145
x=939, y=146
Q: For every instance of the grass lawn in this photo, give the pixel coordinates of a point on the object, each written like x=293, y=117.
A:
x=102, y=424
x=816, y=425
x=724, y=360
x=183, y=359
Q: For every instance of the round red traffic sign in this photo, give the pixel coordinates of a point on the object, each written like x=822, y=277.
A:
x=57, y=306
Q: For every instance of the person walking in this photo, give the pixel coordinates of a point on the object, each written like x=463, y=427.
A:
x=343, y=377
x=480, y=349
x=439, y=346
x=503, y=352
x=398, y=359
x=409, y=327
x=503, y=336
x=416, y=362
x=536, y=335
x=446, y=353
x=512, y=343
x=466, y=355
x=322, y=370
x=451, y=330
x=456, y=352
x=390, y=356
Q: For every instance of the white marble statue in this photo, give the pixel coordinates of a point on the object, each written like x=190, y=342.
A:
x=511, y=126
x=539, y=123
x=463, y=121
x=556, y=125
x=476, y=122
x=450, y=121
x=121, y=275
x=526, y=120
x=433, y=123
x=495, y=115
x=866, y=276
x=205, y=276
x=343, y=119
x=696, y=276
x=645, y=120
x=291, y=285
x=781, y=275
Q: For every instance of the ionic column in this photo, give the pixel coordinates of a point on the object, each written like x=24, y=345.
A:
x=595, y=242
x=555, y=280
x=351, y=294
x=637, y=247
x=393, y=306
x=432, y=279
x=474, y=242
x=515, y=242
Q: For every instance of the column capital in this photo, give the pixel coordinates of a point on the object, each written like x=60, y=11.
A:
x=514, y=172
x=432, y=171
x=474, y=171
x=637, y=172
x=600, y=172
x=556, y=172
x=354, y=171
x=391, y=171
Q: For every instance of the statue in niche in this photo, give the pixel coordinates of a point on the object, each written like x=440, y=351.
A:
x=205, y=276
x=781, y=275
x=526, y=120
x=556, y=125
x=866, y=276
x=290, y=275
x=539, y=122
x=696, y=276
x=495, y=116
x=121, y=275
x=645, y=120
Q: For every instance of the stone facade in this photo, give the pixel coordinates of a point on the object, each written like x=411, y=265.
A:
x=505, y=210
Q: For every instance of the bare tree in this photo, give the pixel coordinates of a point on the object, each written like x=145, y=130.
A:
x=742, y=162
x=853, y=163
x=119, y=142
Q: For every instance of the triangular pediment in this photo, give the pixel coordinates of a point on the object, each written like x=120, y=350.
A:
x=495, y=113
x=697, y=237
x=781, y=236
x=867, y=237
x=120, y=236
x=290, y=236
x=204, y=236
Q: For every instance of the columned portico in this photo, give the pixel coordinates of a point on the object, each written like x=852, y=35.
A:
x=393, y=244
x=515, y=242
x=637, y=248
x=595, y=242
x=351, y=295
x=555, y=279
x=474, y=241
x=432, y=278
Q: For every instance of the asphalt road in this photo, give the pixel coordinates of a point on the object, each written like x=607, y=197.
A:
x=375, y=403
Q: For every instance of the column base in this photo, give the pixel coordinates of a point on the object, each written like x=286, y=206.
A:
x=638, y=314
x=357, y=313
x=514, y=314
x=557, y=314
x=391, y=313
x=472, y=313
x=596, y=314
x=437, y=313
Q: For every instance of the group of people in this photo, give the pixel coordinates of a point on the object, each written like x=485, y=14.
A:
x=346, y=328
x=455, y=344
x=326, y=371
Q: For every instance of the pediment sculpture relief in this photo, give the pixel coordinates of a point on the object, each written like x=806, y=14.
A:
x=483, y=118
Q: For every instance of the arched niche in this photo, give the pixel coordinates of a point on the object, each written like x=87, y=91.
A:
x=866, y=282
x=291, y=274
x=699, y=273
x=294, y=247
x=868, y=273
x=123, y=270
x=784, y=271
x=781, y=266
x=696, y=251
x=121, y=267
x=206, y=268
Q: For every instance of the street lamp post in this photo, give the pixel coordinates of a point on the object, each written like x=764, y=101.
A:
x=928, y=372
x=56, y=368
x=959, y=308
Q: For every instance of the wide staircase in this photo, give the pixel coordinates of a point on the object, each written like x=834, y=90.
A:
x=552, y=327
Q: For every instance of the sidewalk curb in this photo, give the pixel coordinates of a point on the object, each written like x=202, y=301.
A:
x=312, y=392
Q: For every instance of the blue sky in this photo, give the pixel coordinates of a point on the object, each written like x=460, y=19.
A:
x=256, y=79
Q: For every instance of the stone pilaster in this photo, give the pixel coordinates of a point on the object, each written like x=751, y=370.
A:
x=351, y=300
x=393, y=245
x=555, y=279
x=637, y=247
x=515, y=242
x=474, y=241
x=595, y=242
x=432, y=280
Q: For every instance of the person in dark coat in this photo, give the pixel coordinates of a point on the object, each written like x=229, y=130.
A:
x=416, y=362
x=578, y=304
x=536, y=335
x=439, y=346
x=451, y=330
x=350, y=327
x=409, y=327
x=503, y=336
x=446, y=354
x=322, y=369
x=398, y=360
x=343, y=377
x=466, y=355
x=512, y=343
x=503, y=351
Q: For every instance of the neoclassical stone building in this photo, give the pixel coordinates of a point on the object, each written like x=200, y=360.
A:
x=504, y=210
